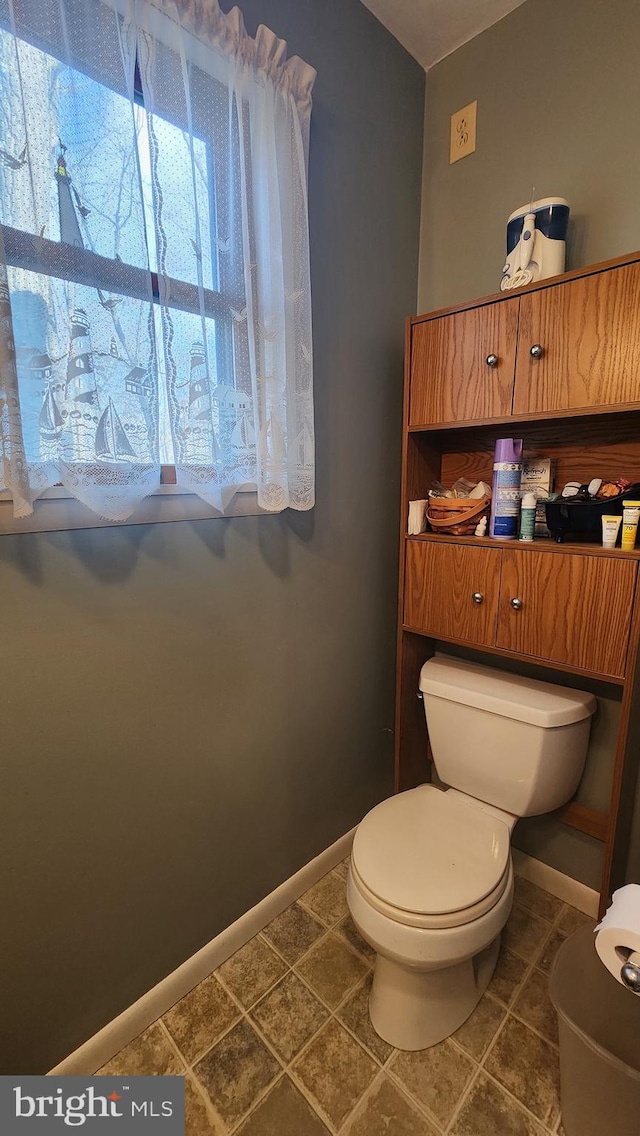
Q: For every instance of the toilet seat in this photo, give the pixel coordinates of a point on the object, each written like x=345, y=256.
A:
x=426, y=858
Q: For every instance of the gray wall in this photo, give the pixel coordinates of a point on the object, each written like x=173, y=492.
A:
x=192, y=711
x=558, y=90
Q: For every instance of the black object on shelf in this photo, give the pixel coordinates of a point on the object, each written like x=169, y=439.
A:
x=568, y=518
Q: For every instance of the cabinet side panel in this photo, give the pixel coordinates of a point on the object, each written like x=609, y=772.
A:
x=412, y=763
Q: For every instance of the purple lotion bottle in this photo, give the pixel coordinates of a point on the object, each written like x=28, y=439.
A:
x=505, y=491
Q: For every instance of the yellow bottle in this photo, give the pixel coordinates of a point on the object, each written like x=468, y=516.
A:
x=630, y=517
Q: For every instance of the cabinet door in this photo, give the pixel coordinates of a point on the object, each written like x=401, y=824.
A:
x=574, y=609
x=441, y=583
x=451, y=380
x=589, y=332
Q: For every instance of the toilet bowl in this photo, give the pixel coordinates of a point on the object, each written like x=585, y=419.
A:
x=430, y=884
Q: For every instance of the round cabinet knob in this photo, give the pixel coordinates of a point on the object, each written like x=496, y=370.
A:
x=491, y=360
x=478, y=597
x=537, y=351
x=516, y=604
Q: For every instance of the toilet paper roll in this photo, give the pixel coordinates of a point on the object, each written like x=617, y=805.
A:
x=618, y=933
x=417, y=523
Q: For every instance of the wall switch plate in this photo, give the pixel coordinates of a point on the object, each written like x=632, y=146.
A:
x=463, y=132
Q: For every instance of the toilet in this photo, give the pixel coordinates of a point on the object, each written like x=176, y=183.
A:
x=430, y=883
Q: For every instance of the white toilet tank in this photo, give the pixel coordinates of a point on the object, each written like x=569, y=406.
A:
x=515, y=743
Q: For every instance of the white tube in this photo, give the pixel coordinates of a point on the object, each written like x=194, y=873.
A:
x=610, y=530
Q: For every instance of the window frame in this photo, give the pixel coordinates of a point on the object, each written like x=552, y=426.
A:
x=83, y=266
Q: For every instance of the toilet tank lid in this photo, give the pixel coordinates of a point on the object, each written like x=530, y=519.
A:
x=508, y=695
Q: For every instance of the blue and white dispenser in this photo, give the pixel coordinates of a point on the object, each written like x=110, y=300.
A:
x=536, y=242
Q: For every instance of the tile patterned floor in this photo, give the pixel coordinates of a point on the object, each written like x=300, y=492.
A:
x=277, y=1042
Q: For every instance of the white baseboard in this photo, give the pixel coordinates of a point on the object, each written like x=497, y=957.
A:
x=113, y=1037
x=556, y=883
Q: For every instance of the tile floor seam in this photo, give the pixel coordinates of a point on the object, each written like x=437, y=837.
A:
x=332, y=1009
x=463, y=1099
x=356, y=953
x=262, y=1094
x=531, y=967
x=482, y=1069
x=400, y=1089
x=235, y=998
x=360, y=1106
x=500, y=1085
x=211, y=1044
x=365, y=958
x=507, y=1092
x=314, y=992
x=326, y=932
x=481, y=1062
x=348, y=993
x=307, y=1092
x=245, y=1017
x=291, y=965
x=207, y=1103
x=282, y=1070
x=307, y=1045
x=313, y=1102
x=328, y=924
x=534, y=1029
x=286, y=1065
x=174, y=1045
x=288, y=1070
x=360, y=1042
x=423, y=1108
x=536, y=954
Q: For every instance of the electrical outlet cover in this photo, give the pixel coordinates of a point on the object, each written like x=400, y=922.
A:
x=463, y=132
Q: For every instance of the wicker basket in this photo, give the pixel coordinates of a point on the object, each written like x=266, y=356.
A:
x=456, y=516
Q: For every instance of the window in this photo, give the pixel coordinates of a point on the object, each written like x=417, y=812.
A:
x=156, y=296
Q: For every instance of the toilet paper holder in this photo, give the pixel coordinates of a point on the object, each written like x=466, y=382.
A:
x=630, y=972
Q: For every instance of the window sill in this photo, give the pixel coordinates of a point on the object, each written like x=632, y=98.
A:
x=57, y=510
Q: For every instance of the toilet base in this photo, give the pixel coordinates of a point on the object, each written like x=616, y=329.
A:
x=415, y=1009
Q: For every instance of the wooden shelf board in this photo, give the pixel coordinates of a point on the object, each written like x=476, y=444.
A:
x=567, y=548
x=502, y=652
x=583, y=412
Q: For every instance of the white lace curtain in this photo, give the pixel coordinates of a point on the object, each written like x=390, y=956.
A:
x=154, y=260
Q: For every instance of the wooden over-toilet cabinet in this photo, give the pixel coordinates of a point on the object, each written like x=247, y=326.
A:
x=558, y=364
x=562, y=347
x=574, y=610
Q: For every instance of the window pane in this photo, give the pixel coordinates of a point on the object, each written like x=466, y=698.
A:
x=68, y=165
x=75, y=359
x=183, y=209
